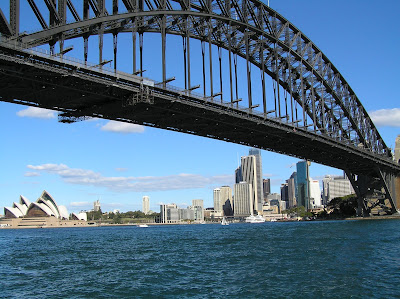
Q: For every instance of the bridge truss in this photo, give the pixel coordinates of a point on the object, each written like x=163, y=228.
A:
x=313, y=113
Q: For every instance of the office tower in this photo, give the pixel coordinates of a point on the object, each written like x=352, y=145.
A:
x=217, y=201
x=292, y=191
x=397, y=149
x=259, y=188
x=285, y=192
x=303, y=189
x=198, y=207
x=96, y=206
x=238, y=175
x=335, y=186
x=169, y=213
x=244, y=199
x=226, y=199
x=146, y=204
x=250, y=176
x=266, y=187
x=315, y=194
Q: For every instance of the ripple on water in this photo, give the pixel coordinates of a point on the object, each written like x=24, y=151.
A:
x=305, y=260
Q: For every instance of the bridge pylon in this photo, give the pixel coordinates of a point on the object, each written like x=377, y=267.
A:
x=376, y=194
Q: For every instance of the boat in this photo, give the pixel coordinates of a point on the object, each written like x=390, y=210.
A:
x=255, y=219
x=143, y=225
x=224, y=222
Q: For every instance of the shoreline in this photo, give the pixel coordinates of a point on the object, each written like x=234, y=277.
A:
x=55, y=223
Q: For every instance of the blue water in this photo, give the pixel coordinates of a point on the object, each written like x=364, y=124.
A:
x=334, y=259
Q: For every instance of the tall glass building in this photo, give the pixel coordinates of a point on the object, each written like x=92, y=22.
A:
x=303, y=188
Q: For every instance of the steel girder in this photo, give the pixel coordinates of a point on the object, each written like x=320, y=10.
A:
x=274, y=45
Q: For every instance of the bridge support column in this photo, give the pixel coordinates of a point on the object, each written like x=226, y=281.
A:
x=397, y=193
x=376, y=195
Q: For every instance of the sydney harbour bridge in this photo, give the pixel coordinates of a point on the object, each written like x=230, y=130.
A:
x=245, y=75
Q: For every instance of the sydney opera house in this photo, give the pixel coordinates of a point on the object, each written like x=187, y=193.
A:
x=45, y=206
x=44, y=210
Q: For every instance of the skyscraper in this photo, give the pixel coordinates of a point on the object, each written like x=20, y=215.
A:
x=285, y=192
x=238, y=175
x=259, y=188
x=244, y=199
x=217, y=202
x=292, y=190
x=146, y=204
x=303, y=188
x=266, y=187
x=226, y=199
x=250, y=176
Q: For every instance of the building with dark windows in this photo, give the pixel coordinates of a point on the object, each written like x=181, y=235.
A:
x=266, y=187
x=238, y=175
x=303, y=188
x=285, y=192
x=292, y=190
x=227, y=201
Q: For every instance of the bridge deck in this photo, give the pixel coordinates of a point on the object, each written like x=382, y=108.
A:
x=78, y=91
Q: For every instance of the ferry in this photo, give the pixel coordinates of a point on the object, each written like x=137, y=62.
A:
x=255, y=219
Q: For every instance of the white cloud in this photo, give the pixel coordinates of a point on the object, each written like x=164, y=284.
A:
x=31, y=174
x=386, y=117
x=122, y=127
x=37, y=113
x=133, y=184
x=80, y=203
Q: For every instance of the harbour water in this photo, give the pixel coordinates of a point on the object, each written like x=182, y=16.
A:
x=332, y=259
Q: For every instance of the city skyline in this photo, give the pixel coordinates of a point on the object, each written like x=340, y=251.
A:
x=119, y=163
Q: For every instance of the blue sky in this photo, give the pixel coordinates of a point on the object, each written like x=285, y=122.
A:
x=119, y=163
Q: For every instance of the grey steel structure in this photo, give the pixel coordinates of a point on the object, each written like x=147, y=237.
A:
x=313, y=113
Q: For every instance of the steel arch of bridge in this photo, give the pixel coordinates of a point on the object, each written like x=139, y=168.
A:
x=247, y=28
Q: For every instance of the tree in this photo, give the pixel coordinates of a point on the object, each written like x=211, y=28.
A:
x=345, y=206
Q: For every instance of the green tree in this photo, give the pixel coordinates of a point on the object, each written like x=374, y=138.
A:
x=345, y=206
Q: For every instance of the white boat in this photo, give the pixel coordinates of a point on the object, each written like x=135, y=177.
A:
x=255, y=219
x=224, y=222
x=143, y=225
